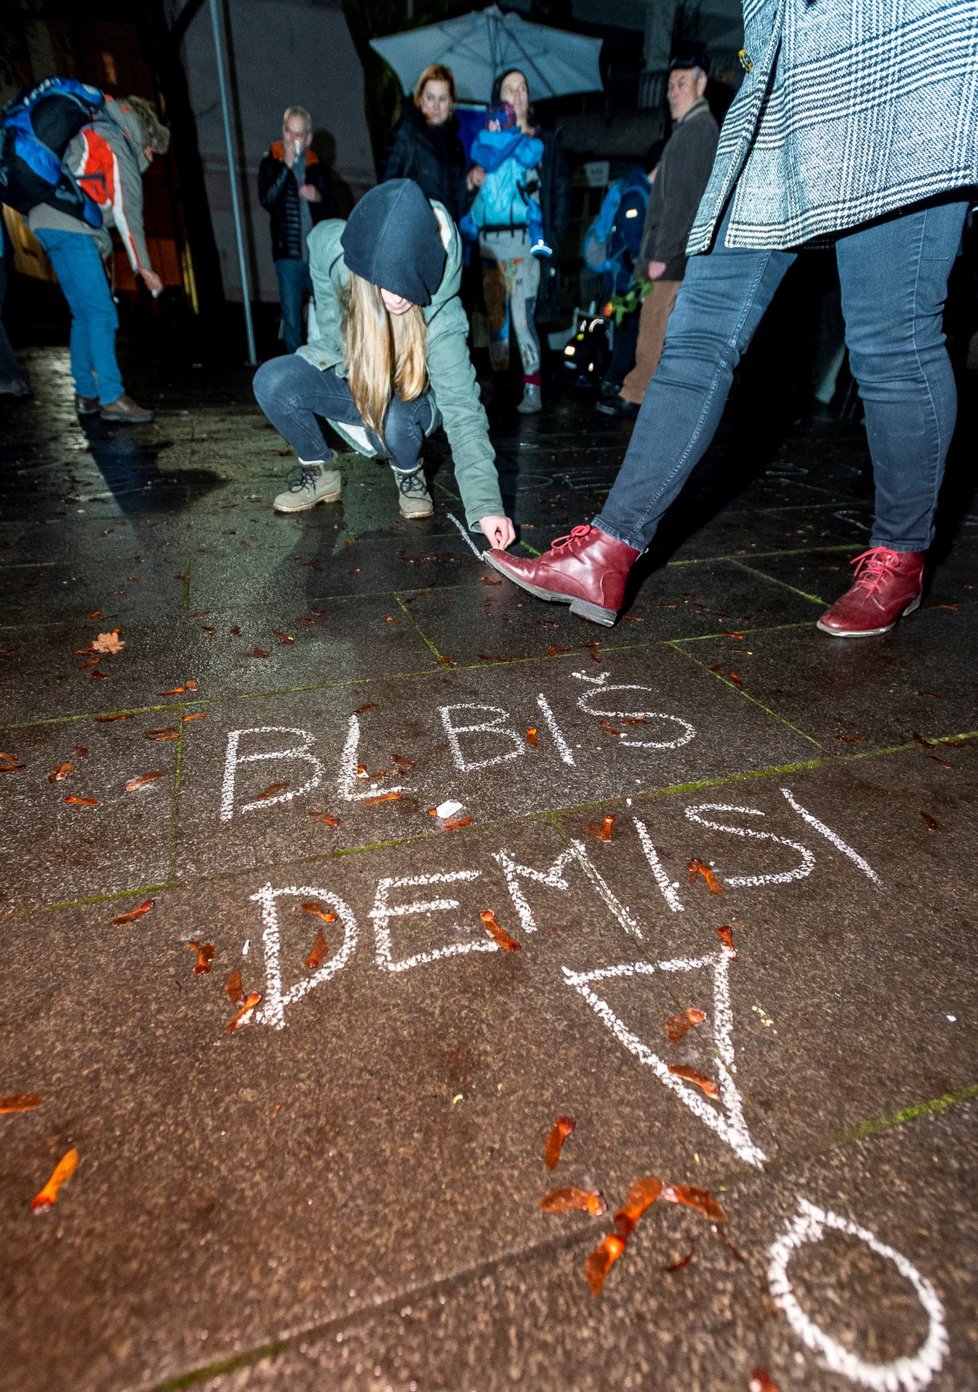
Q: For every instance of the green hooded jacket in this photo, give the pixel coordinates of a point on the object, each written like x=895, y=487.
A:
x=451, y=377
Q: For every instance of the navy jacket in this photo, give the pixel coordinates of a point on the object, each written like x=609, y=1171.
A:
x=278, y=193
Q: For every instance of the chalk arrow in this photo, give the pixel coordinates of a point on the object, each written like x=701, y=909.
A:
x=727, y=1120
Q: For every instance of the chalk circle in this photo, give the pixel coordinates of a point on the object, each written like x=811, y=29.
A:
x=907, y=1374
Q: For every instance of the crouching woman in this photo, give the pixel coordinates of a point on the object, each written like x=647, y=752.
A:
x=391, y=361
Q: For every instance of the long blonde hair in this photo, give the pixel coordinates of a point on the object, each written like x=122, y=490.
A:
x=385, y=353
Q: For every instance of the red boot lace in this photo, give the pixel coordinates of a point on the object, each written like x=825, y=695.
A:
x=872, y=567
x=575, y=534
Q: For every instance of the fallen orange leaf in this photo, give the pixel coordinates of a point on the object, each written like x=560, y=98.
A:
x=602, y=829
x=697, y=867
x=250, y=1001
x=455, y=823
x=205, y=956
x=725, y=934
x=108, y=642
x=191, y=684
x=312, y=906
x=700, y=1199
x=317, y=955
x=282, y=636
x=62, y=771
x=119, y=715
x=174, y=691
x=532, y=738
x=133, y=914
x=569, y=1200
x=134, y=784
x=641, y=1196
x=693, y=1075
x=678, y=1025
x=384, y=797
x=82, y=801
x=499, y=935
x=271, y=790
x=680, y=1264
x=233, y=988
x=556, y=1137
x=63, y=1171
x=20, y=1102
x=195, y=715
x=362, y=710
x=324, y=817
x=165, y=732
x=760, y=1381
x=601, y=1260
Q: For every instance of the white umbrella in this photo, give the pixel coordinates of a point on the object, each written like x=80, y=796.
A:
x=479, y=45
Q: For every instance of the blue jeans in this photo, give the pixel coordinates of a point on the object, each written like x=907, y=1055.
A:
x=94, y=320
x=894, y=281
x=294, y=284
x=294, y=395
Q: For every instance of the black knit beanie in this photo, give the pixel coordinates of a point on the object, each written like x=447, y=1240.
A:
x=391, y=239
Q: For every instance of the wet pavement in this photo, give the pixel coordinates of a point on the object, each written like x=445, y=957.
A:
x=344, y=1193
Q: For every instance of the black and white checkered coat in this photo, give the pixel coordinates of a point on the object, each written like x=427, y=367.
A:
x=853, y=108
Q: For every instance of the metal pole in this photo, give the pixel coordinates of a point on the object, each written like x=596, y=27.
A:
x=238, y=230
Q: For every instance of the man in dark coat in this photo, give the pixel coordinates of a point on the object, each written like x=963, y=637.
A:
x=679, y=183
x=297, y=192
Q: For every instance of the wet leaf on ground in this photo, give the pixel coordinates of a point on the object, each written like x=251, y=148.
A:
x=556, y=1137
x=20, y=1102
x=133, y=914
x=251, y=1000
x=679, y=1025
x=693, y=1075
x=570, y=1200
x=695, y=866
x=318, y=953
x=134, y=784
x=700, y=1199
x=603, y=829
x=63, y=1171
x=62, y=771
x=313, y=906
x=205, y=956
x=601, y=1260
x=499, y=935
x=725, y=934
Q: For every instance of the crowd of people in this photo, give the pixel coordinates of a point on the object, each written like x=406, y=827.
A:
x=810, y=153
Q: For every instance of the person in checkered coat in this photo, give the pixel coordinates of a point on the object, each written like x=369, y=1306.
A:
x=857, y=123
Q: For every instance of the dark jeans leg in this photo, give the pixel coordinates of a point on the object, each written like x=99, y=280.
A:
x=722, y=300
x=894, y=283
x=295, y=396
x=294, y=284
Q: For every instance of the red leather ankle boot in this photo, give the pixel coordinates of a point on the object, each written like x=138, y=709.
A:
x=586, y=570
x=887, y=584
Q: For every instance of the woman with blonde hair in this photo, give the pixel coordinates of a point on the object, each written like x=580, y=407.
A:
x=390, y=362
x=426, y=145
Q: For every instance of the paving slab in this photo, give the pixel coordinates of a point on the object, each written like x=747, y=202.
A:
x=344, y=1193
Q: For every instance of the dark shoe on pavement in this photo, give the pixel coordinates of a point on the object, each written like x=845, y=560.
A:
x=87, y=405
x=888, y=584
x=309, y=484
x=586, y=570
x=413, y=497
x=124, y=411
x=617, y=406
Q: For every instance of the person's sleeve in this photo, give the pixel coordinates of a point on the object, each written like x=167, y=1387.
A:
x=456, y=393
x=127, y=208
x=686, y=178
x=397, y=162
x=325, y=253
x=529, y=152
x=272, y=174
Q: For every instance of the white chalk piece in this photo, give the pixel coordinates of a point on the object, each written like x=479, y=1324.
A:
x=383, y=912
x=798, y=872
x=274, y=999
x=907, y=1374
x=349, y=785
x=232, y=759
x=495, y=727
x=448, y=809
x=676, y=742
x=727, y=1120
x=832, y=836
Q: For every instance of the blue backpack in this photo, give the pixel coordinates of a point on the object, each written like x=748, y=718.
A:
x=35, y=131
x=612, y=241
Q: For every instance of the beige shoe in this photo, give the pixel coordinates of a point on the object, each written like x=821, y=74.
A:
x=309, y=484
x=413, y=498
x=124, y=411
